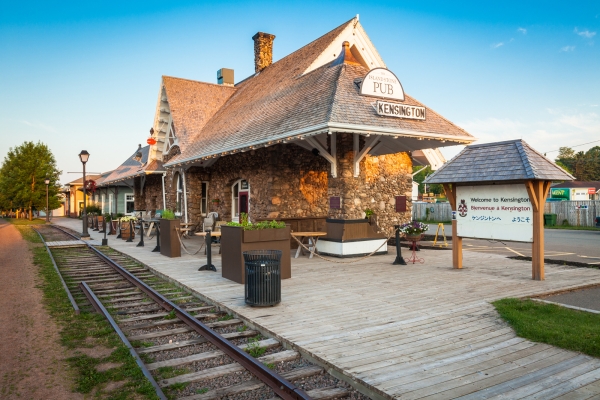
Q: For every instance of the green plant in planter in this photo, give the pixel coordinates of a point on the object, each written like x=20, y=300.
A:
x=107, y=217
x=92, y=208
x=369, y=212
x=248, y=226
x=168, y=214
x=120, y=215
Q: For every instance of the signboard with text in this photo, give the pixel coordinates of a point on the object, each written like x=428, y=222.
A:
x=381, y=82
x=498, y=212
x=388, y=109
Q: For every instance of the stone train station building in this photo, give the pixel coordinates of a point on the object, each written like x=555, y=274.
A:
x=325, y=132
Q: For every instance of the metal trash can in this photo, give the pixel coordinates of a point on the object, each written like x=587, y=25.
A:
x=550, y=219
x=263, y=277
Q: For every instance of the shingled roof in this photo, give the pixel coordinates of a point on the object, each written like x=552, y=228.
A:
x=132, y=168
x=283, y=101
x=500, y=161
x=192, y=104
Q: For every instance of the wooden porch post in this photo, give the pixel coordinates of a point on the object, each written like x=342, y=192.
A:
x=538, y=191
x=456, y=241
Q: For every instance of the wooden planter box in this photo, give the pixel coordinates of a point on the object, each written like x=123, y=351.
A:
x=169, y=241
x=125, y=232
x=235, y=240
x=114, y=227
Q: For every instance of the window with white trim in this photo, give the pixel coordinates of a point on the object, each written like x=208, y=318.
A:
x=129, y=204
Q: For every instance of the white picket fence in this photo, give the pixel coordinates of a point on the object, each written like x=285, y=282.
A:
x=438, y=212
x=567, y=210
x=564, y=210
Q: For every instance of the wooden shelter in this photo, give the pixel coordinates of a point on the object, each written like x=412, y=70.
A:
x=511, y=162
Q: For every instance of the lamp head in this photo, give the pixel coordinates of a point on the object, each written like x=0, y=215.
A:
x=84, y=156
x=47, y=181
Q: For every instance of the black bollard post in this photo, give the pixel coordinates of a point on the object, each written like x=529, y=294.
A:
x=208, y=266
x=141, y=243
x=110, y=226
x=399, y=260
x=130, y=238
x=95, y=222
x=105, y=240
x=120, y=234
x=157, y=248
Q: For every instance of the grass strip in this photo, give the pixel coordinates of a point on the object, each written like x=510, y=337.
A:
x=86, y=330
x=555, y=325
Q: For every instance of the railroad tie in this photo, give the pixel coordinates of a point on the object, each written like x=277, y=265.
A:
x=216, y=372
x=192, y=342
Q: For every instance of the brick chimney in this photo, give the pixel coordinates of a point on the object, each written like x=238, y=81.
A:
x=263, y=50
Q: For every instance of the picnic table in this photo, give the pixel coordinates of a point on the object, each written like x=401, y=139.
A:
x=311, y=237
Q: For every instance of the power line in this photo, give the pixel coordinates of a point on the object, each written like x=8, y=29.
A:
x=577, y=145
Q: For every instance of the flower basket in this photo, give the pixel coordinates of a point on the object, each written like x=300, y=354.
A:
x=413, y=237
x=414, y=230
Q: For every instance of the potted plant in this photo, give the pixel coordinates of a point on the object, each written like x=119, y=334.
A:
x=413, y=231
x=265, y=235
x=169, y=238
x=127, y=227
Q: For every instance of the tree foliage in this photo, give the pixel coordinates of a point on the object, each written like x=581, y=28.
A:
x=420, y=177
x=22, y=176
x=584, y=166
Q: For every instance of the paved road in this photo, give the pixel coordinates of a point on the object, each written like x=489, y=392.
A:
x=578, y=246
x=587, y=298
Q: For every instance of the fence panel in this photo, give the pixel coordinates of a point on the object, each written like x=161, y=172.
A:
x=567, y=210
x=438, y=212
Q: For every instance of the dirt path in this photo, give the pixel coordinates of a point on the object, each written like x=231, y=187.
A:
x=32, y=362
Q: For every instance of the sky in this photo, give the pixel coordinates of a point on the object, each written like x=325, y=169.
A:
x=86, y=75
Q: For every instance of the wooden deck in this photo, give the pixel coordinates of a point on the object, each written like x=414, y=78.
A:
x=410, y=332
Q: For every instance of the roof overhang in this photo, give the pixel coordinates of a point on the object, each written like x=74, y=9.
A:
x=128, y=180
x=392, y=140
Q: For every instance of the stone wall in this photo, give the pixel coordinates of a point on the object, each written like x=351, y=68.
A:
x=284, y=180
x=381, y=178
x=288, y=181
x=151, y=197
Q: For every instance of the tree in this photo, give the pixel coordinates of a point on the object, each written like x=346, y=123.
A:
x=584, y=166
x=22, y=176
x=420, y=177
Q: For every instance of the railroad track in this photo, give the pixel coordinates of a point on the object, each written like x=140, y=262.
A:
x=186, y=348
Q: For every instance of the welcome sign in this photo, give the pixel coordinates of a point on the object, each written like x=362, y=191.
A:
x=498, y=212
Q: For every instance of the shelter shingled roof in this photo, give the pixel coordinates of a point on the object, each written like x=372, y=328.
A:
x=500, y=161
x=283, y=101
x=132, y=168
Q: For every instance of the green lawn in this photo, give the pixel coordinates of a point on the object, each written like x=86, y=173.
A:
x=25, y=221
x=548, y=323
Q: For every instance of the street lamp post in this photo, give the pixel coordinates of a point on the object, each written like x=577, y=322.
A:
x=84, y=156
x=47, y=182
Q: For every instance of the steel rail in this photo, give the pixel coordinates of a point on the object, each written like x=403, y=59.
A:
x=281, y=386
x=71, y=299
x=97, y=304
